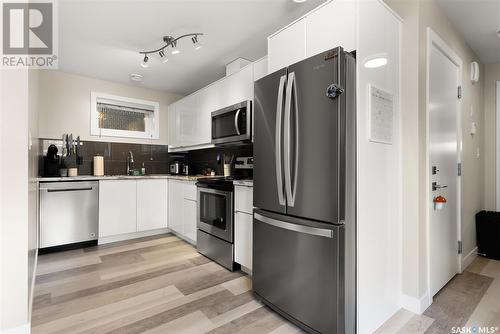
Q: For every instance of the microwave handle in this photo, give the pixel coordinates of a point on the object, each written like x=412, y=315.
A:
x=236, y=119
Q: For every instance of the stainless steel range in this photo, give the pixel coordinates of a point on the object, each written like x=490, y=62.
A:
x=215, y=234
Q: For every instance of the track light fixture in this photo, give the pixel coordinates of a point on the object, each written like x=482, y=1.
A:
x=174, y=48
x=144, y=62
x=196, y=44
x=170, y=42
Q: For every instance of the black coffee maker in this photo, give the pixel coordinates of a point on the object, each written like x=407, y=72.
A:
x=51, y=162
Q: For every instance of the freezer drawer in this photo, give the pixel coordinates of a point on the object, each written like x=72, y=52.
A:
x=68, y=213
x=297, y=270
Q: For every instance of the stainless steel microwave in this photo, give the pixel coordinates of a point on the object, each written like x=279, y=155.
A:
x=232, y=124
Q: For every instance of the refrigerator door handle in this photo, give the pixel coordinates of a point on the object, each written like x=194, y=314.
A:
x=322, y=232
x=279, y=111
x=291, y=89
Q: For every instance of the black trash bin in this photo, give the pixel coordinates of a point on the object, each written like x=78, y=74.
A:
x=488, y=234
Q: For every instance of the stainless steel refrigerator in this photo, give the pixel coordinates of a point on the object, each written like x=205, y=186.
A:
x=304, y=192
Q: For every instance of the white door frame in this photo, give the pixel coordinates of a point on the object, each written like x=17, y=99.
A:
x=497, y=165
x=433, y=39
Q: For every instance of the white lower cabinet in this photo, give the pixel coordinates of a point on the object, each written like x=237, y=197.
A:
x=117, y=207
x=182, y=208
x=151, y=204
x=243, y=225
x=175, y=206
x=243, y=239
x=129, y=206
x=189, y=212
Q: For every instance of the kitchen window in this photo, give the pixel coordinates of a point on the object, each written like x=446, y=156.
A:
x=119, y=116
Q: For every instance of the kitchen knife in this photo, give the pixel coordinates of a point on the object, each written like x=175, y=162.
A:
x=70, y=140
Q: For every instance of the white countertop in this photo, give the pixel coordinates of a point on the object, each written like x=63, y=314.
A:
x=246, y=183
x=122, y=177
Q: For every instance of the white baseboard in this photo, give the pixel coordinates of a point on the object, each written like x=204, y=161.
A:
x=128, y=236
x=415, y=305
x=467, y=259
x=23, y=329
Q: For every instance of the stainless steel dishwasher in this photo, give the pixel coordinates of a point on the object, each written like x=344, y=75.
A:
x=68, y=213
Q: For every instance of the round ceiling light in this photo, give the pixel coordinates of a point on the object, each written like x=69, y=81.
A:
x=299, y=1
x=376, y=61
x=136, y=77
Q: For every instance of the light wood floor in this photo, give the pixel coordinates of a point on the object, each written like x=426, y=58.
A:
x=150, y=285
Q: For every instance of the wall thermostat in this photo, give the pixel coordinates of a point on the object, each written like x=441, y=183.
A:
x=474, y=71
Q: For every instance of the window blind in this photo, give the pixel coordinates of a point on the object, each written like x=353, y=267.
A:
x=122, y=118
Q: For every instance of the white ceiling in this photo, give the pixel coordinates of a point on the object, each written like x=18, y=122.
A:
x=478, y=21
x=101, y=39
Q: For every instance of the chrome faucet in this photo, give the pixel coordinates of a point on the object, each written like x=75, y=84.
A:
x=130, y=162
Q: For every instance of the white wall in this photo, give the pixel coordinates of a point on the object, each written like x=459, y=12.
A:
x=64, y=105
x=33, y=151
x=491, y=74
x=417, y=16
x=14, y=199
x=379, y=173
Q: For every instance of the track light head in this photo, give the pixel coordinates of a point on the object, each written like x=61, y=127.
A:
x=196, y=44
x=175, y=50
x=144, y=62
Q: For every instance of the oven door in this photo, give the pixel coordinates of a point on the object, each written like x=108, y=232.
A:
x=215, y=213
x=232, y=124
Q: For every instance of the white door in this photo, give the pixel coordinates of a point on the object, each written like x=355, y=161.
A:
x=444, y=141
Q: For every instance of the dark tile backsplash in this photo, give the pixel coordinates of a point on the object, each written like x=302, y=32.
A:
x=200, y=160
x=156, y=158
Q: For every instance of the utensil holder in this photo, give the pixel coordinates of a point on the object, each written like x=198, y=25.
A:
x=227, y=169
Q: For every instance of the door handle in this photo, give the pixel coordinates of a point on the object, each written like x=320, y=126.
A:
x=290, y=89
x=322, y=232
x=236, y=119
x=279, y=110
x=68, y=189
x=436, y=186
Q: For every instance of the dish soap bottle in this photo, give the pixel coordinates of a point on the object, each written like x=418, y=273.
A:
x=143, y=169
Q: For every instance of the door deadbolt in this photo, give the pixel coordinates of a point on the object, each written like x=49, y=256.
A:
x=333, y=91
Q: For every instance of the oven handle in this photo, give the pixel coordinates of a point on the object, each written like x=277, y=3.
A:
x=214, y=191
x=236, y=119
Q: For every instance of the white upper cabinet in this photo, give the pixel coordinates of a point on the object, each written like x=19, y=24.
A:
x=187, y=113
x=190, y=122
x=207, y=103
x=287, y=46
x=330, y=26
x=151, y=204
x=237, y=87
x=260, y=69
x=172, y=126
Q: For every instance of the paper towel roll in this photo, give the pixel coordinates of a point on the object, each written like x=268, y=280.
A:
x=98, y=166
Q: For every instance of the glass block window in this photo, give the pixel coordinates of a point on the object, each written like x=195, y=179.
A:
x=124, y=117
x=121, y=118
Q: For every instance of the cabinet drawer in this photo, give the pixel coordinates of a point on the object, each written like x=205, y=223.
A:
x=190, y=190
x=243, y=199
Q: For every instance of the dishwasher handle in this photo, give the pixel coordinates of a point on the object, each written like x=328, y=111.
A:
x=68, y=189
